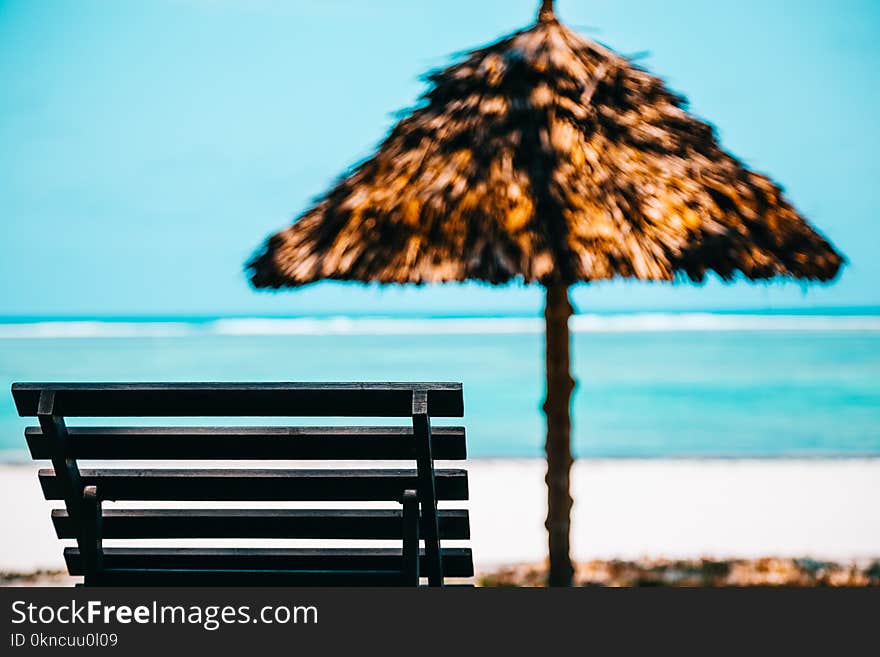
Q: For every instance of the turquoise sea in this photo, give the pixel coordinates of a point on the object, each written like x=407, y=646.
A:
x=649, y=384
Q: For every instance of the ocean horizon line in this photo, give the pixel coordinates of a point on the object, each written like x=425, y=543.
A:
x=869, y=310
x=854, y=320
x=21, y=457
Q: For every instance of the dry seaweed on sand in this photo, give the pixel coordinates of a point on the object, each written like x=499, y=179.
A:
x=766, y=571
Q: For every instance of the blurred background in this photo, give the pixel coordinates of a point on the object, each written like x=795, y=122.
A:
x=146, y=149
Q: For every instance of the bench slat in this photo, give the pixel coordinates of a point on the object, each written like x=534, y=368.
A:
x=239, y=399
x=258, y=443
x=251, y=484
x=259, y=523
x=457, y=562
x=180, y=577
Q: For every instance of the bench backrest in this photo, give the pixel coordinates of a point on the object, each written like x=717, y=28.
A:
x=419, y=489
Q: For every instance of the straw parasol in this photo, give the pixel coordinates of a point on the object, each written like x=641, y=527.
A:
x=548, y=158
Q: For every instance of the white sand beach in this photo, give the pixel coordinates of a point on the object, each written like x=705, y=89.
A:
x=623, y=509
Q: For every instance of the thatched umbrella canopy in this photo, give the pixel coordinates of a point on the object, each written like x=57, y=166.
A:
x=548, y=158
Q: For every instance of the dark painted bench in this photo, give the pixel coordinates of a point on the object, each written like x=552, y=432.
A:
x=417, y=489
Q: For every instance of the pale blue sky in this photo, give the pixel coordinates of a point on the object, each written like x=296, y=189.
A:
x=146, y=148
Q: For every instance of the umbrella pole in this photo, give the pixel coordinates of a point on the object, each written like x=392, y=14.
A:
x=557, y=409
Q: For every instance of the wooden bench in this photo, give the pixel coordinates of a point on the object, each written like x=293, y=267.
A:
x=417, y=489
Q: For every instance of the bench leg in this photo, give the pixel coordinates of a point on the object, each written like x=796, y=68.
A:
x=427, y=488
x=92, y=534
x=410, y=538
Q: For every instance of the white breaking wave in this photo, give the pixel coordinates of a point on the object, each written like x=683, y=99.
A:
x=623, y=323
x=629, y=323
x=96, y=329
x=379, y=326
x=648, y=322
